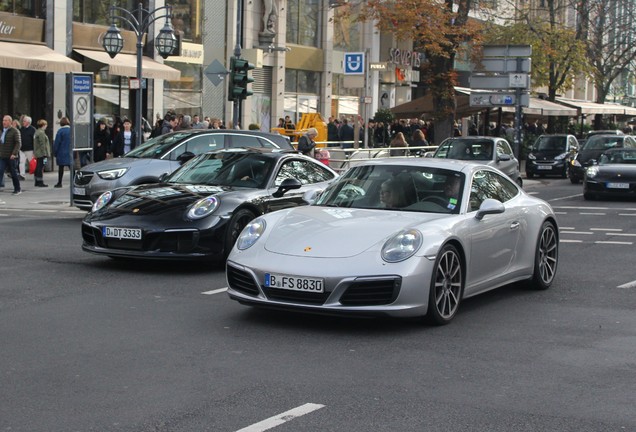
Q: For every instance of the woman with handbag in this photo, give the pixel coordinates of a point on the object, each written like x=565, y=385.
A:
x=41, y=151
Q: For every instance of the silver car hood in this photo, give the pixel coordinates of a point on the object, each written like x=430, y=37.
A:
x=116, y=163
x=336, y=232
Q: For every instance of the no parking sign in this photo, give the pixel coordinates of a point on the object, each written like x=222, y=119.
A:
x=354, y=63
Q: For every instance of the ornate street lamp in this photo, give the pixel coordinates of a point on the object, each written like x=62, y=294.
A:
x=166, y=43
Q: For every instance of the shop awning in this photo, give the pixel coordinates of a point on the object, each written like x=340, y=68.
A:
x=585, y=107
x=424, y=105
x=126, y=65
x=35, y=58
x=545, y=108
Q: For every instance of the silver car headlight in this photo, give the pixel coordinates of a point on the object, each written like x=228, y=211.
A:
x=592, y=171
x=402, y=246
x=204, y=207
x=112, y=174
x=531, y=156
x=251, y=233
x=102, y=200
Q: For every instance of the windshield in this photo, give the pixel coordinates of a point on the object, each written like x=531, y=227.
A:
x=225, y=169
x=626, y=156
x=551, y=143
x=156, y=147
x=598, y=142
x=391, y=187
x=465, y=149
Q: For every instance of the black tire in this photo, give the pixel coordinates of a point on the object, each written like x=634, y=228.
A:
x=447, y=286
x=241, y=218
x=589, y=196
x=564, y=174
x=546, y=257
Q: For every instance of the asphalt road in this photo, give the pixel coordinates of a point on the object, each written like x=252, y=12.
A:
x=91, y=344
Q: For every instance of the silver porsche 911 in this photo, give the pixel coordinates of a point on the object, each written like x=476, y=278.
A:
x=397, y=237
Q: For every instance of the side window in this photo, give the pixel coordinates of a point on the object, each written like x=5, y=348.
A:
x=572, y=143
x=629, y=142
x=176, y=152
x=487, y=184
x=244, y=141
x=307, y=172
x=503, y=148
x=266, y=143
x=204, y=143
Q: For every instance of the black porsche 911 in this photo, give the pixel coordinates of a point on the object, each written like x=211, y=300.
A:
x=198, y=211
x=612, y=175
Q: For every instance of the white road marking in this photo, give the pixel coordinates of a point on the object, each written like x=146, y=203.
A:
x=566, y=228
x=631, y=284
x=578, y=232
x=532, y=193
x=561, y=213
x=570, y=241
x=282, y=418
x=606, y=229
x=627, y=214
x=216, y=291
x=565, y=197
x=592, y=214
x=621, y=234
x=613, y=242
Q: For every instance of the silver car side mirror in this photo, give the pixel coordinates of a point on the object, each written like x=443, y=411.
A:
x=489, y=206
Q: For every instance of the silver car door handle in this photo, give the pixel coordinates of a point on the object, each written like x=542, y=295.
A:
x=514, y=225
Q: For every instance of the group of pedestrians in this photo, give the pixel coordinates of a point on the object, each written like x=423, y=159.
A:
x=400, y=133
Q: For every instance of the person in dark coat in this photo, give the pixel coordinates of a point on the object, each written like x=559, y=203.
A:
x=306, y=143
x=10, y=144
x=346, y=134
x=101, y=141
x=124, y=141
x=62, y=149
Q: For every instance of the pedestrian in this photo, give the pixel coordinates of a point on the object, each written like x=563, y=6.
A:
x=125, y=141
x=289, y=124
x=307, y=143
x=332, y=130
x=27, y=132
x=186, y=123
x=371, y=133
x=101, y=141
x=346, y=134
x=41, y=152
x=62, y=149
x=399, y=144
x=197, y=123
x=418, y=140
x=169, y=124
x=381, y=135
x=10, y=143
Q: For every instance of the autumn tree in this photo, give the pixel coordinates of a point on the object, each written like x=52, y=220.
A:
x=438, y=28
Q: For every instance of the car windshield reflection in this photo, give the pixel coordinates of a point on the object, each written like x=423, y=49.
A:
x=225, y=169
x=405, y=188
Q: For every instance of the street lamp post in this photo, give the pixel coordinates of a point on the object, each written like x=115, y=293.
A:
x=166, y=43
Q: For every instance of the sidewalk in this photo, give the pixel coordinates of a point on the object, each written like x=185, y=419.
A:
x=38, y=198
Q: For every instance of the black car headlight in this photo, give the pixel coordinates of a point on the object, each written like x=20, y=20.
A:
x=531, y=156
x=591, y=172
x=112, y=174
x=102, y=201
x=202, y=208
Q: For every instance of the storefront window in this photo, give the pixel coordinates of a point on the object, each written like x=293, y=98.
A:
x=29, y=8
x=302, y=89
x=96, y=11
x=303, y=22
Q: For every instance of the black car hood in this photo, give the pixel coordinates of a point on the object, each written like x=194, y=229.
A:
x=547, y=154
x=160, y=198
x=585, y=156
x=618, y=171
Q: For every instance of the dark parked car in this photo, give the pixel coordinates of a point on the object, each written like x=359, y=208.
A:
x=492, y=151
x=593, y=148
x=162, y=155
x=550, y=155
x=198, y=211
x=613, y=175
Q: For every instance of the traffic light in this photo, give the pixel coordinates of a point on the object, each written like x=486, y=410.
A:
x=239, y=79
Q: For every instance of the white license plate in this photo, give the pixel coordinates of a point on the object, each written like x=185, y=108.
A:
x=295, y=283
x=544, y=167
x=618, y=185
x=122, y=233
x=79, y=191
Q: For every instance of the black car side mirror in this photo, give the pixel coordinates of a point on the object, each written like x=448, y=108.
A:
x=287, y=185
x=163, y=177
x=184, y=157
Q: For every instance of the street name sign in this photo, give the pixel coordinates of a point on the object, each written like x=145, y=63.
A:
x=507, y=50
x=483, y=99
x=504, y=65
x=499, y=82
